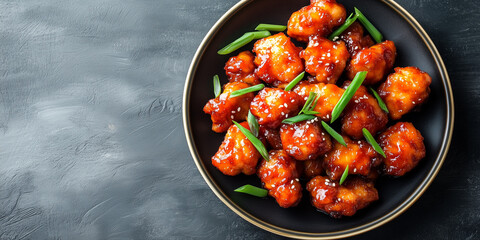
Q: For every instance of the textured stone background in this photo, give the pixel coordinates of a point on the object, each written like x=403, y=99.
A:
x=92, y=145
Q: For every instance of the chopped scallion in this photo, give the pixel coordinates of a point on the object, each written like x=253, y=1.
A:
x=252, y=190
x=334, y=134
x=348, y=94
x=295, y=81
x=240, y=42
x=372, y=142
x=344, y=176
x=261, y=34
x=254, y=140
x=382, y=104
x=217, y=88
x=298, y=118
x=253, y=124
x=350, y=20
x=240, y=92
x=271, y=27
x=369, y=26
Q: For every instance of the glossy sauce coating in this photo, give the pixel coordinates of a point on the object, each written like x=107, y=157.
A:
x=313, y=168
x=328, y=96
x=325, y=59
x=359, y=156
x=272, y=105
x=236, y=154
x=224, y=109
x=345, y=200
x=305, y=140
x=272, y=136
x=317, y=19
x=405, y=89
x=241, y=68
x=378, y=60
x=277, y=59
x=354, y=37
x=361, y=112
x=280, y=177
x=404, y=147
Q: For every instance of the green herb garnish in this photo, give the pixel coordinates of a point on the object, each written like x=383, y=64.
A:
x=350, y=20
x=253, y=124
x=369, y=26
x=240, y=92
x=334, y=134
x=348, y=94
x=271, y=27
x=382, y=104
x=344, y=176
x=217, y=88
x=372, y=142
x=240, y=42
x=295, y=81
x=261, y=34
x=254, y=140
x=298, y=118
x=252, y=190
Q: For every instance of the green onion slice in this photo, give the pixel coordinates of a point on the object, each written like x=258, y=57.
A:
x=382, y=104
x=372, y=142
x=348, y=94
x=261, y=34
x=254, y=140
x=298, y=118
x=344, y=176
x=369, y=26
x=310, y=112
x=334, y=134
x=253, y=124
x=217, y=88
x=295, y=81
x=271, y=27
x=252, y=190
x=240, y=92
x=308, y=103
x=350, y=20
x=240, y=42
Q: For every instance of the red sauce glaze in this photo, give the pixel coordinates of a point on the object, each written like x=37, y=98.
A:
x=277, y=60
x=378, y=60
x=361, y=112
x=359, y=156
x=345, y=200
x=328, y=97
x=241, y=68
x=405, y=89
x=305, y=140
x=325, y=59
x=317, y=19
x=272, y=105
x=313, y=168
x=355, y=39
x=236, y=153
x=404, y=147
x=272, y=136
x=280, y=177
x=224, y=109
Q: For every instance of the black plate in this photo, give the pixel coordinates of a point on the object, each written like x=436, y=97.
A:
x=435, y=121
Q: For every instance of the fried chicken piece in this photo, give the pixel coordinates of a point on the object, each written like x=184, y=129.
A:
x=277, y=59
x=403, y=145
x=313, y=168
x=236, y=153
x=280, y=177
x=325, y=59
x=405, y=89
x=224, y=109
x=359, y=156
x=240, y=68
x=319, y=18
x=378, y=60
x=272, y=105
x=361, y=112
x=272, y=136
x=304, y=140
x=341, y=200
x=355, y=39
x=328, y=96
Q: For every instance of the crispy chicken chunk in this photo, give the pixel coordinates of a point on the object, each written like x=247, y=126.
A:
x=404, y=147
x=361, y=112
x=272, y=136
x=359, y=156
x=325, y=59
x=236, y=154
x=272, y=105
x=319, y=18
x=305, y=140
x=240, y=68
x=405, y=89
x=377, y=60
x=313, y=168
x=280, y=177
x=355, y=39
x=224, y=109
x=328, y=96
x=345, y=200
x=277, y=59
